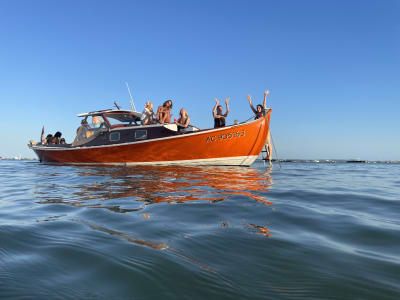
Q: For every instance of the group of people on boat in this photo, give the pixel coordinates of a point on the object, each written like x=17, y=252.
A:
x=219, y=117
x=163, y=114
x=259, y=112
x=50, y=139
x=53, y=139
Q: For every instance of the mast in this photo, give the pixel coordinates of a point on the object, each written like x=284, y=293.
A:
x=130, y=95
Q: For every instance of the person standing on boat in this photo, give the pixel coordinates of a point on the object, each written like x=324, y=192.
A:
x=183, y=121
x=219, y=117
x=260, y=112
x=164, y=112
x=147, y=116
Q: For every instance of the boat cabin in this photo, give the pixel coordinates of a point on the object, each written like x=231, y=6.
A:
x=109, y=127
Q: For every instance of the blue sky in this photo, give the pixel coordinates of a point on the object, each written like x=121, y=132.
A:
x=333, y=68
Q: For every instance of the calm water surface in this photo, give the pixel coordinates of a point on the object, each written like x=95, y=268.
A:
x=305, y=231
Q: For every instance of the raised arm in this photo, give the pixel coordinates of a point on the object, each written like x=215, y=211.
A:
x=265, y=98
x=215, y=108
x=251, y=105
x=227, y=107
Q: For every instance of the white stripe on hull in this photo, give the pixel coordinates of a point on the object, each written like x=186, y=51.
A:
x=223, y=161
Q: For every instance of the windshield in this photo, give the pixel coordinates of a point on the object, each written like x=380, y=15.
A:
x=122, y=118
x=97, y=121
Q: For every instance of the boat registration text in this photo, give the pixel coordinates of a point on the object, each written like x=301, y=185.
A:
x=225, y=136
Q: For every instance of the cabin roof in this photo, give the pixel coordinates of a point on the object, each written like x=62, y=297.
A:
x=121, y=115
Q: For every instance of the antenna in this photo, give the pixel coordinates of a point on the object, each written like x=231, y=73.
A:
x=130, y=95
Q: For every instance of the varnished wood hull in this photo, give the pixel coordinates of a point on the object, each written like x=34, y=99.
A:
x=232, y=145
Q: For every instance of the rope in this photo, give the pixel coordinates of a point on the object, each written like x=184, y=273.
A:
x=252, y=117
x=273, y=144
x=276, y=153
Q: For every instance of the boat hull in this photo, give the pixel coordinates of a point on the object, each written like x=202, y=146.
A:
x=237, y=145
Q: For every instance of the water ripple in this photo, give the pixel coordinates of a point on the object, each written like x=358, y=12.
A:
x=305, y=231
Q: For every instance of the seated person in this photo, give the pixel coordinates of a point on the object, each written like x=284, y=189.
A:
x=48, y=140
x=83, y=131
x=261, y=109
x=147, y=116
x=96, y=122
x=164, y=112
x=57, y=137
x=183, y=121
x=62, y=141
x=219, y=117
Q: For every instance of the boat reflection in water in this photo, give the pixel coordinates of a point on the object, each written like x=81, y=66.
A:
x=150, y=184
x=132, y=189
x=143, y=194
x=146, y=185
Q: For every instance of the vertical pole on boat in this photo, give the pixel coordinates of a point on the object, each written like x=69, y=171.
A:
x=130, y=95
x=42, y=135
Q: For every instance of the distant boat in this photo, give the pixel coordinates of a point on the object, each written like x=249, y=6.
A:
x=118, y=140
x=356, y=161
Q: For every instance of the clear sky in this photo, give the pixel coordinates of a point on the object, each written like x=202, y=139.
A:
x=332, y=67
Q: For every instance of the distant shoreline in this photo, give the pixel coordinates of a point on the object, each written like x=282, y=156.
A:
x=353, y=161
x=326, y=161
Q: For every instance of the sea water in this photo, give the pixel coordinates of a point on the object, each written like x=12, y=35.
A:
x=295, y=231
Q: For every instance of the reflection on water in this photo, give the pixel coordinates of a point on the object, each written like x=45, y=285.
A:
x=150, y=244
x=260, y=229
x=199, y=232
x=153, y=245
x=132, y=189
x=148, y=185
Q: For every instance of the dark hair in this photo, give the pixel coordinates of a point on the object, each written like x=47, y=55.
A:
x=49, y=139
x=62, y=141
x=165, y=103
x=259, y=105
x=57, y=134
x=219, y=106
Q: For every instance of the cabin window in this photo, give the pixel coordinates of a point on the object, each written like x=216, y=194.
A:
x=141, y=134
x=114, y=136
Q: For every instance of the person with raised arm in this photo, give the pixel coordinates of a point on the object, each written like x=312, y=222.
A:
x=260, y=112
x=219, y=117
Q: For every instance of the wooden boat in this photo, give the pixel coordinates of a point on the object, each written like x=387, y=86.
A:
x=116, y=138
